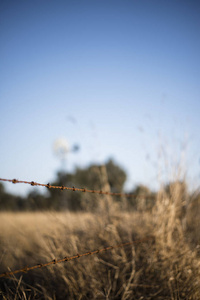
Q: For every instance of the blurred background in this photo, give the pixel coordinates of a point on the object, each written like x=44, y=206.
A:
x=84, y=82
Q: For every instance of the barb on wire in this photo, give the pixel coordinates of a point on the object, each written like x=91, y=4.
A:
x=65, y=259
x=84, y=190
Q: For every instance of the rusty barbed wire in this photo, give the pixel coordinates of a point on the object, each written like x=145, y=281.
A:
x=65, y=259
x=83, y=190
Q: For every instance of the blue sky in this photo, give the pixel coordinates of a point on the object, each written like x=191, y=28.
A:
x=119, y=78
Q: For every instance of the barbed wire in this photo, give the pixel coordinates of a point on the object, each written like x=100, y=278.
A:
x=65, y=259
x=83, y=190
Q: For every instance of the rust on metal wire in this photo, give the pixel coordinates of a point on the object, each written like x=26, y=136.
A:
x=84, y=190
x=65, y=259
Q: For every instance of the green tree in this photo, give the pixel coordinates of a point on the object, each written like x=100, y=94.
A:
x=10, y=202
x=89, y=178
x=144, y=198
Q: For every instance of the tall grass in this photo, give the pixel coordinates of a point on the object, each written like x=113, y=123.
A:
x=165, y=267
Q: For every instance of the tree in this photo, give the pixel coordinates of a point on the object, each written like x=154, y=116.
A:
x=144, y=198
x=89, y=178
x=116, y=176
x=9, y=202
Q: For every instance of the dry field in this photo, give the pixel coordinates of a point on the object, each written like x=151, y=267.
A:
x=165, y=267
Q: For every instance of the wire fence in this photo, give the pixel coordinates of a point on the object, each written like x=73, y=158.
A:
x=65, y=259
x=83, y=190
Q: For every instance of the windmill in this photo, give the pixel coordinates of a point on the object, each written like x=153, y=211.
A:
x=61, y=149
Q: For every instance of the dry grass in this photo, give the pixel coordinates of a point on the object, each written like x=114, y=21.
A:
x=166, y=267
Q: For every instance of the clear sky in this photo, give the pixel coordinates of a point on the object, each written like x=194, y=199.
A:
x=119, y=78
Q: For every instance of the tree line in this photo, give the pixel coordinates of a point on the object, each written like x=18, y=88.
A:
x=110, y=176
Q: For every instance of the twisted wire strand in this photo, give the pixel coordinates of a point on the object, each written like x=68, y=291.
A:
x=65, y=259
x=83, y=190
